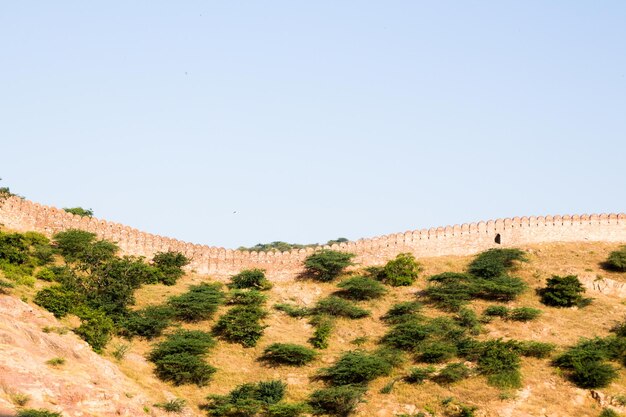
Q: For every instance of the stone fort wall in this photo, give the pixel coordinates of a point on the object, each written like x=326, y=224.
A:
x=23, y=215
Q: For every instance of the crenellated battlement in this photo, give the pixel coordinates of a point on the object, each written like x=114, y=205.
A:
x=464, y=239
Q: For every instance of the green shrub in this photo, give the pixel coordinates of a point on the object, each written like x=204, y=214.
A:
x=30, y=412
x=149, y=322
x=288, y=354
x=468, y=319
x=323, y=328
x=79, y=211
x=14, y=248
x=500, y=363
x=96, y=328
x=609, y=412
x=246, y=297
x=620, y=329
x=292, y=310
x=617, y=260
x=436, y=351
x=401, y=271
x=287, y=410
x=325, y=265
x=496, y=311
x=246, y=400
x=452, y=373
x=241, y=325
x=593, y=374
x=406, y=335
x=494, y=262
x=419, y=375
x=361, y=288
x=336, y=401
x=178, y=358
x=199, y=303
x=402, y=312
x=562, y=291
x=534, y=349
x=338, y=307
x=170, y=266
x=80, y=246
x=58, y=300
x=193, y=342
x=355, y=367
x=45, y=274
x=524, y=314
x=172, y=406
x=250, y=278
x=450, y=290
x=184, y=368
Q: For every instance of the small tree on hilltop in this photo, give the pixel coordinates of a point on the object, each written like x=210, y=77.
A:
x=617, y=260
x=325, y=265
x=401, y=271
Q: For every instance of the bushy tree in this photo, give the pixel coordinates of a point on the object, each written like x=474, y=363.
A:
x=495, y=262
x=325, y=265
x=96, y=328
x=617, y=260
x=58, y=300
x=451, y=373
x=199, y=303
x=169, y=266
x=562, y=291
x=323, y=328
x=241, y=324
x=356, y=367
x=338, y=307
x=77, y=245
x=250, y=278
x=336, y=401
x=149, y=322
x=402, y=312
x=249, y=399
x=401, y=271
x=361, y=288
x=288, y=354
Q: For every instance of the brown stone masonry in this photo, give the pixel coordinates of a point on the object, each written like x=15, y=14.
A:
x=465, y=239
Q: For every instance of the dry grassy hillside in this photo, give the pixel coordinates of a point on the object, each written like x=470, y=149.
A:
x=544, y=391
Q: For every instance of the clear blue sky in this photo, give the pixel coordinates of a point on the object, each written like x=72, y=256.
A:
x=313, y=120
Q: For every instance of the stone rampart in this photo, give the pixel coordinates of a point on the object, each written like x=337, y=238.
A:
x=23, y=215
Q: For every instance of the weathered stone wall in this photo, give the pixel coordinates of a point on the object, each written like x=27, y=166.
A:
x=465, y=239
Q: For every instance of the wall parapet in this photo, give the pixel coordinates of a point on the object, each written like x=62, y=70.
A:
x=464, y=239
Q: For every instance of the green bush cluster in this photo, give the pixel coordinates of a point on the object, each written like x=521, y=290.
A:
x=288, y=354
x=523, y=314
x=325, y=265
x=251, y=399
x=487, y=278
x=401, y=312
x=95, y=328
x=58, y=300
x=250, y=278
x=246, y=297
x=21, y=254
x=175, y=405
x=323, y=328
x=586, y=363
x=287, y=410
x=419, y=375
x=241, y=324
x=617, y=260
x=169, y=266
x=149, y=322
x=356, y=368
x=279, y=246
x=338, y=307
x=336, y=401
x=401, y=271
x=563, y=292
x=200, y=302
x=451, y=373
x=495, y=262
x=292, y=310
x=180, y=358
x=361, y=288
